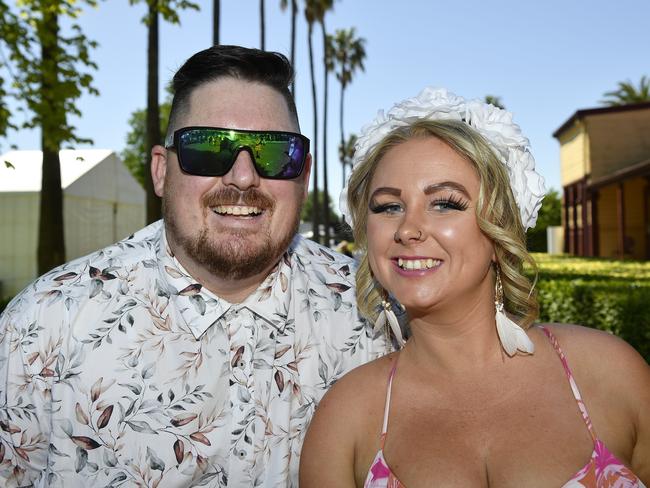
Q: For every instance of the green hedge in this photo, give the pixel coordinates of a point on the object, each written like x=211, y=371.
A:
x=607, y=295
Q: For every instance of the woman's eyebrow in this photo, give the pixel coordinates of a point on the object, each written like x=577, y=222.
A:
x=446, y=185
x=386, y=190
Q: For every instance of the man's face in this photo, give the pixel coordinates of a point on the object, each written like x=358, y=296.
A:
x=235, y=226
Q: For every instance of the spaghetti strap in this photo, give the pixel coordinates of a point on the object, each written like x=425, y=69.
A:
x=384, y=427
x=574, y=387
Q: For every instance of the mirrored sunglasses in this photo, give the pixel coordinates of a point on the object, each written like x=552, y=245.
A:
x=212, y=151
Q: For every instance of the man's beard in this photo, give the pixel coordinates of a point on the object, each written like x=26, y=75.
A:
x=231, y=256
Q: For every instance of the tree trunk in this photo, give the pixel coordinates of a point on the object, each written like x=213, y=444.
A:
x=153, y=110
x=51, y=241
x=262, y=26
x=314, y=169
x=216, y=12
x=326, y=213
x=294, y=15
x=343, y=145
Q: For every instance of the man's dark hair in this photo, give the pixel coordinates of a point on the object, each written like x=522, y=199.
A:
x=254, y=65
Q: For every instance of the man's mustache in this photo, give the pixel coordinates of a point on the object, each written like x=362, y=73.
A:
x=230, y=196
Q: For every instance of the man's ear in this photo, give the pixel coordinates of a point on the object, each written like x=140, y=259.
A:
x=306, y=173
x=158, y=168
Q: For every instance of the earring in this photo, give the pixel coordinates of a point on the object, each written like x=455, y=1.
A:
x=387, y=319
x=513, y=338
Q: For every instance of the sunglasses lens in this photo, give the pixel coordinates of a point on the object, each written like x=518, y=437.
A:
x=282, y=157
x=212, y=152
x=205, y=152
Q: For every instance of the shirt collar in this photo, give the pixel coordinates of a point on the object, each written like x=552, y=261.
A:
x=200, y=308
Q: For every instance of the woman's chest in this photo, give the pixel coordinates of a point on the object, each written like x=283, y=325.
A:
x=522, y=442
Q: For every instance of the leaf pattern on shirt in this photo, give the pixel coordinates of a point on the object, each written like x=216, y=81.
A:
x=122, y=370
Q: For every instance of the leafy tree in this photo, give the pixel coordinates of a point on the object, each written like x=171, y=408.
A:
x=294, y=15
x=169, y=10
x=494, y=100
x=627, y=93
x=49, y=71
x=136, y=152
x=307, y=208
x=550, y=214
x=349, y=53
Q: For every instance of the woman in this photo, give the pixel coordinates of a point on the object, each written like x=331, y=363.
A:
x=440, y=195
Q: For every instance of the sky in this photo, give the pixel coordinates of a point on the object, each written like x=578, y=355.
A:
x=544, y=59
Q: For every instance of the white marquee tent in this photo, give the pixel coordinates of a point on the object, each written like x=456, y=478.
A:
x=102, y=203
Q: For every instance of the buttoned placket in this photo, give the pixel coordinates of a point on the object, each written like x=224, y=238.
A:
x=240, y=326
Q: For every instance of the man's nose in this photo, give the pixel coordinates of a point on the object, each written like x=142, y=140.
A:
x=242, y=174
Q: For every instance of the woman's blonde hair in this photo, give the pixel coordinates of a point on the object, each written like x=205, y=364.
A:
x=496, y=212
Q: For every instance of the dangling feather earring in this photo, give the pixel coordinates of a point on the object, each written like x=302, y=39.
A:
x=513, y=338
x=386, y=318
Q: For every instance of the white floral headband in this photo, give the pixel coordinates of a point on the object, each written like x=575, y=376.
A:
x=494, y=124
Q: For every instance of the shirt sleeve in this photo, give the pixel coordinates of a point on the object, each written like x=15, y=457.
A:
x=27, y=368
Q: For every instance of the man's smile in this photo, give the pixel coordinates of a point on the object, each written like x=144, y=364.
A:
x=242, y=210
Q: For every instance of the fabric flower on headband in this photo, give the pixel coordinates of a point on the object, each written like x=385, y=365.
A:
x=494, y=124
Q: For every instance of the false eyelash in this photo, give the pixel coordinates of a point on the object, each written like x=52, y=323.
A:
x=452, y=202
x=380, y=208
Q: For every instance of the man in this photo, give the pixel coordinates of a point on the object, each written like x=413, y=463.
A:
x=194, y=352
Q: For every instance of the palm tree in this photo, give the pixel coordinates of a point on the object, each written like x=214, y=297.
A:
x=315, y=12
x=294, y=15
x=169, y=10
x=346, y=153
x=627, y=93
x=262, y=25
x=311, y=17
x=216, y=13
x=349, y=53
x=328, y=66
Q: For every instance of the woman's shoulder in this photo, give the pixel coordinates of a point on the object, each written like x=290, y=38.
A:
x=585, y=341
x=602, y=357
x=616, y=381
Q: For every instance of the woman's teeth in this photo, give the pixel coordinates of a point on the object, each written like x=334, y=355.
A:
x=236, y=210
x=416, y=264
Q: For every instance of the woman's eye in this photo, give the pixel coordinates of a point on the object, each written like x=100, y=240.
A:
x=389, y=208
x=451, y=203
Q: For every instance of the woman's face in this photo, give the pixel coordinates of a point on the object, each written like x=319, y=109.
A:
x=424, y=243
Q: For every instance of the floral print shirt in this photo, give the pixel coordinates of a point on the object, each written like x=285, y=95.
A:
x=118, y=369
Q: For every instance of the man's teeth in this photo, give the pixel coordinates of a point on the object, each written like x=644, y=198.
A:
x=418, y=263
x=236, y=210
